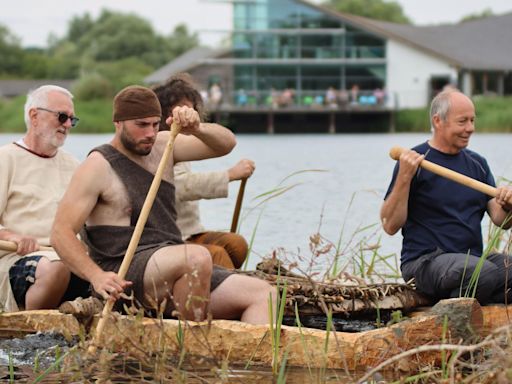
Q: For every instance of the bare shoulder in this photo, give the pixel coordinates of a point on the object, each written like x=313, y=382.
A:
x=94, y=173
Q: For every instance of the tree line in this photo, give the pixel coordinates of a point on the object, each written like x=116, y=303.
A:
x=117, y=49
x=105, y=54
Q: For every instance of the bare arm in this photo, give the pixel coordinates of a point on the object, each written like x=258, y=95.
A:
x=394, y=211
x=500, y=208
x=75, y=207
x=197, y=140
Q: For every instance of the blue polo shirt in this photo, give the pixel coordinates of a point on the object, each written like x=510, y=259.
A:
x=442, y=213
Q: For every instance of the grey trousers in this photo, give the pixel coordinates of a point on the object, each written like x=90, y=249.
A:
x=442, y=275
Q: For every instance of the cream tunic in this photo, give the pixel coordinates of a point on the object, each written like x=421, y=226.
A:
x=191, y=187
x=30, y=190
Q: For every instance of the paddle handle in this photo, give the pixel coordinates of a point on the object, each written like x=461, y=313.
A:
x=13, y=247
x=238, y=205
x=395, y=153
x=137, y=233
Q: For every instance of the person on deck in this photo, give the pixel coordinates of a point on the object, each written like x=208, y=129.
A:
x=107, y=193
x=228, y=249
x=35, y=173
x=441, y=219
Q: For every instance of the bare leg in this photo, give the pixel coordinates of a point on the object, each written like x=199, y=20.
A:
x=181, y=273
x=243, y=297
x=52, y=279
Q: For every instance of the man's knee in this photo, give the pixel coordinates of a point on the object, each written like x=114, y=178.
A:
x=53, y=271
x=199, y=259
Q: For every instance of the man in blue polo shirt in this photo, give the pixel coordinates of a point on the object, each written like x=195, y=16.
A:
x=440, y=219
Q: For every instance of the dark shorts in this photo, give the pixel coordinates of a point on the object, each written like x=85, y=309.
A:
x=21, y=276
x=136, y=271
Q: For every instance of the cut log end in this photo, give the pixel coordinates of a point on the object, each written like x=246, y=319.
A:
x=465, y=316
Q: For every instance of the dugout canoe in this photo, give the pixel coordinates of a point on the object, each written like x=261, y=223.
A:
x=238, y=343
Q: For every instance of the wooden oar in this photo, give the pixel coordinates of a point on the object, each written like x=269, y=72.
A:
x=238, y=205
x=12, y=246
x=139, y=227
x=395, y=153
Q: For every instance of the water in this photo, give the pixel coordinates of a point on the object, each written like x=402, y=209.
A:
x=344, y=198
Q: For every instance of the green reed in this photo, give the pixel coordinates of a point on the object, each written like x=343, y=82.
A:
x=493, y=244
x=276, y=324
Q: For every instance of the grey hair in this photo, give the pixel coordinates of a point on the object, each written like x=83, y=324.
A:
x=38, y=98
x=441, y=105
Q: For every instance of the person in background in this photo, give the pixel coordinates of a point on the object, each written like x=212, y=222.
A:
x=35, y=172
x=215, y=96
x=107, y=193
x=228, y=249
x=441, y=219
x=331, y=97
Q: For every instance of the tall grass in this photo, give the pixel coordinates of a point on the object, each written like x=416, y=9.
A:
x=261, y=203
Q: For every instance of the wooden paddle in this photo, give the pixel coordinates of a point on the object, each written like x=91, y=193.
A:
x=238, y=205
x=139, y=227
x=12, y=246
x=395, y=153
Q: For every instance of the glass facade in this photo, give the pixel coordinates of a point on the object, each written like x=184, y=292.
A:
x=283, y=45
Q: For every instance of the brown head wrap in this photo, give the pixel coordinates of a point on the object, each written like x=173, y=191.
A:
x=135, y=102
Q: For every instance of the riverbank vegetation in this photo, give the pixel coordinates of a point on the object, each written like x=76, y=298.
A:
x=493, y=113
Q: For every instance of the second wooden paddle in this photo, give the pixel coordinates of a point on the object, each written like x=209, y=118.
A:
x=238, y=206
x=395, y=153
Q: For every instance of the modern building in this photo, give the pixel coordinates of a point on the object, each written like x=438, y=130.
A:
x=295, y=66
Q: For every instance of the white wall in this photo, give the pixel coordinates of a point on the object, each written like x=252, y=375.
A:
x=408, y=75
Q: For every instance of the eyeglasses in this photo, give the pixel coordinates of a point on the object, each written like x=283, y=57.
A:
x=62, y=117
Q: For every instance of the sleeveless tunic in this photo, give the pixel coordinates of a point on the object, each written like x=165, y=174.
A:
x=107, y=243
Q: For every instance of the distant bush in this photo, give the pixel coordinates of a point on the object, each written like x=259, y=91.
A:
x=93, y=86
x=11, y=115
x=493, y=114
x=412, y=120
x=95, y=116
x=123, y=72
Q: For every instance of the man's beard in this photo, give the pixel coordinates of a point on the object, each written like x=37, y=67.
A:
x=131, y=146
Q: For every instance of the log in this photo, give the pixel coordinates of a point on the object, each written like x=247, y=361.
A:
x=235, y=342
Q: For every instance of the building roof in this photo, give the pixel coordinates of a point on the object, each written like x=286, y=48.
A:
x=183, y=63
x=480, y=44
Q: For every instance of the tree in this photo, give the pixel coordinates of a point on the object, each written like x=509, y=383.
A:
x=373, y=9
x=118, y=36
x=180, y=41
x=10, y=52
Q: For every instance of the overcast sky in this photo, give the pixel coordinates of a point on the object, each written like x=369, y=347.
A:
x=34, y=20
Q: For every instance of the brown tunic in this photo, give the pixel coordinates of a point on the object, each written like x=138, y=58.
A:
x=107, y=244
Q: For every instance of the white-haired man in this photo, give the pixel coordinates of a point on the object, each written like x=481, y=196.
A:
x=35, y=173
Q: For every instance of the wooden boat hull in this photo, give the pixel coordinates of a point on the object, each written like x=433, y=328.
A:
x=239, y=343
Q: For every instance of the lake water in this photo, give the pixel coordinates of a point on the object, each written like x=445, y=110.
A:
x=342, y=199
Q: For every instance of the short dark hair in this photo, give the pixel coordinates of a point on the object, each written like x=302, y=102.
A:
x=173, y=91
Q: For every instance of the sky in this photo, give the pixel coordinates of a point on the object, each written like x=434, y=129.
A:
x=34, y=20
